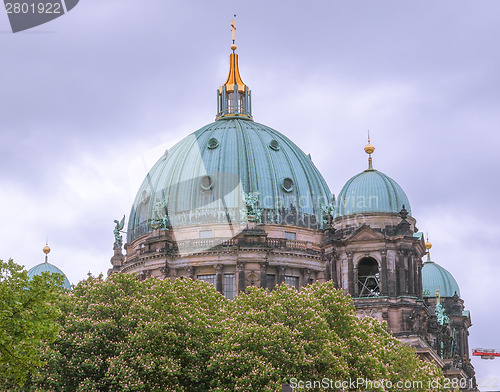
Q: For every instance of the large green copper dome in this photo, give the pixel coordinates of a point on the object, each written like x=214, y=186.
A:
x=433, y=277
x=230, y=171
x=371, y=191
x=206, y=177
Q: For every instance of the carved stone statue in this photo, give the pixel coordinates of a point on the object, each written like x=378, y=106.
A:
x=161, y=216
x=252, y=212
x=442, y=318
x=328, y=212
x=118, y=237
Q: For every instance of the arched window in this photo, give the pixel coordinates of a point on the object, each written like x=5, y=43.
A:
x=368, y=278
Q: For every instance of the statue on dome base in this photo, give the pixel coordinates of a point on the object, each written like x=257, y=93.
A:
x=252, y=211
x=118, y=237
x=161, y=216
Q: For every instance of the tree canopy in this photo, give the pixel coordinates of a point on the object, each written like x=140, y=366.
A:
x=28, y=314
x=126, y=335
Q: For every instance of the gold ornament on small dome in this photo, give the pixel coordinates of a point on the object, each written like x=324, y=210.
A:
x=46, y=249
x=369, y=149
x=428, y=245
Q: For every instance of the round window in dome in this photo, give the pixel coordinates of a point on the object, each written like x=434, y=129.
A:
x=287, y=184
x=274, y=145
x=213, y=143
x=206, y=183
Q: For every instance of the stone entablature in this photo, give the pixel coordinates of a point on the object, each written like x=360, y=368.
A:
x=259, y=255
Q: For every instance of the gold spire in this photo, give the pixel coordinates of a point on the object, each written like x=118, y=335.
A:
x=234, y=97
x=233, y=78
x=438, y=295
x=369, y=149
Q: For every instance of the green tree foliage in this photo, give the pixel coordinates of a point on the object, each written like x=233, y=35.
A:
x=27, y=320
x=123, y=335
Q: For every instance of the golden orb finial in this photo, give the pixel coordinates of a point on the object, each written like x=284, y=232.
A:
x=428, y=245
x=369, y=149
x=46, y=249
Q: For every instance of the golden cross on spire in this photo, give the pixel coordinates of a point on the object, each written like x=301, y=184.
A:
x=233, y=29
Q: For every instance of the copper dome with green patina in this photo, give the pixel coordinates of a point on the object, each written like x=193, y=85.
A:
x=229, y=169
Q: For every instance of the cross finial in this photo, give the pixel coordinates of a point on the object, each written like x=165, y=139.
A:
x=233, y=29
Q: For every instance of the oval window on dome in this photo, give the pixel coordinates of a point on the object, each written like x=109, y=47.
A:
x=287, y=184
x=213, y=143
x=274, y=145
x=206, y=183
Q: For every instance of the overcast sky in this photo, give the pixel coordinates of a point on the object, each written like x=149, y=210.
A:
x=92, y=99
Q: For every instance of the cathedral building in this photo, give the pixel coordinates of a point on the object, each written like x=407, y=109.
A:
x=238, y=204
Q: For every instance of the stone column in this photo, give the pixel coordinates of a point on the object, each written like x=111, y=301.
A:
x=350, y=273
x=419, y=281
x=335, y=277
x=307, y=276
x=218, y=277
x=328, y=269
x=402, y=272
x=281, y=274
x=241, y=276
x=383, y=274
x=190, y=272
x=263, y=274
x=165, y=270
x=411, y=275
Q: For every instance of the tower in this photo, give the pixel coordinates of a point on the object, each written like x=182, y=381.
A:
x=376, y=251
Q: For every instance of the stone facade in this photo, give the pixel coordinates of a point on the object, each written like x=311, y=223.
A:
x=376, y=258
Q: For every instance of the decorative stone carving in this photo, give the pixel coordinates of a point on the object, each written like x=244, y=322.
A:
x=161, y=216
x=328, y=211
x=252, y=210
x=241, y=266
x=118, y=237
x=442, y=318
x=190, y=271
